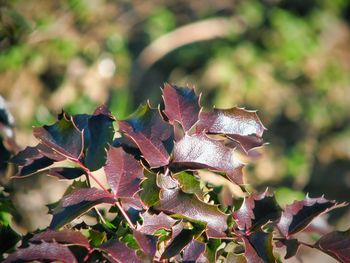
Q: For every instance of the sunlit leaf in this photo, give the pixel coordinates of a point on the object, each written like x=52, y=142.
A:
x=119, y=252
x=152, y=223
x=193, y=251
x=181, y=104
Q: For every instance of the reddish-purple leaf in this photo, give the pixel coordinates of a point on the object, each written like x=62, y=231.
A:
x=63, y=137
x=65, y=236
x=77, y=203
x=299, y=215
x=147, y=243
x=43, y=251
x=123, y=172
x=66, y=172
x=152, y=223
x=198, y=151
x=257, y=210
x=245, y=143
x=119, y=252
x=151, y=133
x=258, y=248
x=336, y=244
x=181, y=104
x=173, y=200
x=193, y=251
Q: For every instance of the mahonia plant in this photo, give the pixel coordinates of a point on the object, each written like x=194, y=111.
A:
x=162, y=208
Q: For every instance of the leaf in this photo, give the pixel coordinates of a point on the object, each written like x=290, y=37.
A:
x=299, y=215
x=256, y=210
x=188, y=183
x=180, y=237
x=101, y=131
x=123, y=172
x=245, y=143
x=181, y=104
x=258, y=248
x=175, y=201
x=152, y=223
x=147, y=243
x=198, y=151
x=336, y=244
x=119, y=252
x=151, y=133
x=77, y=203
x=63, y=137
x=66, y=172
x=193, y=251
x=8, y=237
x=292, y=246
x=65, y=236
x=149, y=190
x=43, y=251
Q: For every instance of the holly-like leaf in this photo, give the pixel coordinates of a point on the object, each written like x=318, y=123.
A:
x=150, y=192
x=66, y=172
x=77, y=203
x=193, y=251
x=119, y=252
x=152, y=223
x=43, y=251
x=101, y=133
x=188, y=183
x=198, y=151
x=123, y=172
x=299, y=215
x=180, y=237
x=65, y=236
x=258, y=248
x=336, y=244
x=240, y=125
x=181, y=104
x=151, y=133
x=63, y=137
x=256, y=210
x=147, y=243
x=174, y=201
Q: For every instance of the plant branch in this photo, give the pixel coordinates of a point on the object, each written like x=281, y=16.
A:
x=125, y=215
x=89, y=173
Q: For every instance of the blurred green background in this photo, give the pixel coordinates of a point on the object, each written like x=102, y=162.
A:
x=289, y=59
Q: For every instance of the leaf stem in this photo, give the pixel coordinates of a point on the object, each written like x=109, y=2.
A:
x=89, y=173
x=125, y=215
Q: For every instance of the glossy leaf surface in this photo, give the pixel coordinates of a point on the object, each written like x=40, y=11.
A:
x=152, y=223
x=193, y=251
x=119, y=252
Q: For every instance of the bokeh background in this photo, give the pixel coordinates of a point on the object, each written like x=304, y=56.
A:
x=289, y=59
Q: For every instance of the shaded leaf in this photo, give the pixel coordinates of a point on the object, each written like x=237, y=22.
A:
x=152, y=223
x=66, y=172
x=292, y=246
x=336, y=244
x=258, y=248
x=198, y=151
x=299, y=215
x=119, y=252
x=256, y=210
x=150, y=192
x=8, y=237
x=65, y=236
x=123, y=172
x=189, y=184
x=193, y=251
x=77, y=203
x=151, y=133
x=175, y=201
x=147, y=243
x=43, y=251
x=181, y=104
x=63, y=137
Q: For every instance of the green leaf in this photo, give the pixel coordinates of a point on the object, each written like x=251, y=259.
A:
x=189, y=183
x=150, y=191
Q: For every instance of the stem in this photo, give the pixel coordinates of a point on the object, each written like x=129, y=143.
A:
x=88, y=172
x=167, y=171
x=127, y=218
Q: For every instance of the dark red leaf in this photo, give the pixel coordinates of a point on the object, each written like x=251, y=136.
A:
x=66, y=172
x=77, y=203
x=245, y=143
x=292, y=246
x=65, y=236
x=151, y=133
x=336, y=244
x=181, y=104
x=257, y=210
x=123, y=172
x=43, y=251
x=180, y=237
x=152, y=223
x=198, y=151
x=299, y=215
x=119, y=252
x=193, y=251
x=258, y=248
x=173, y=200
x=147, y=243
x=63, y=137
